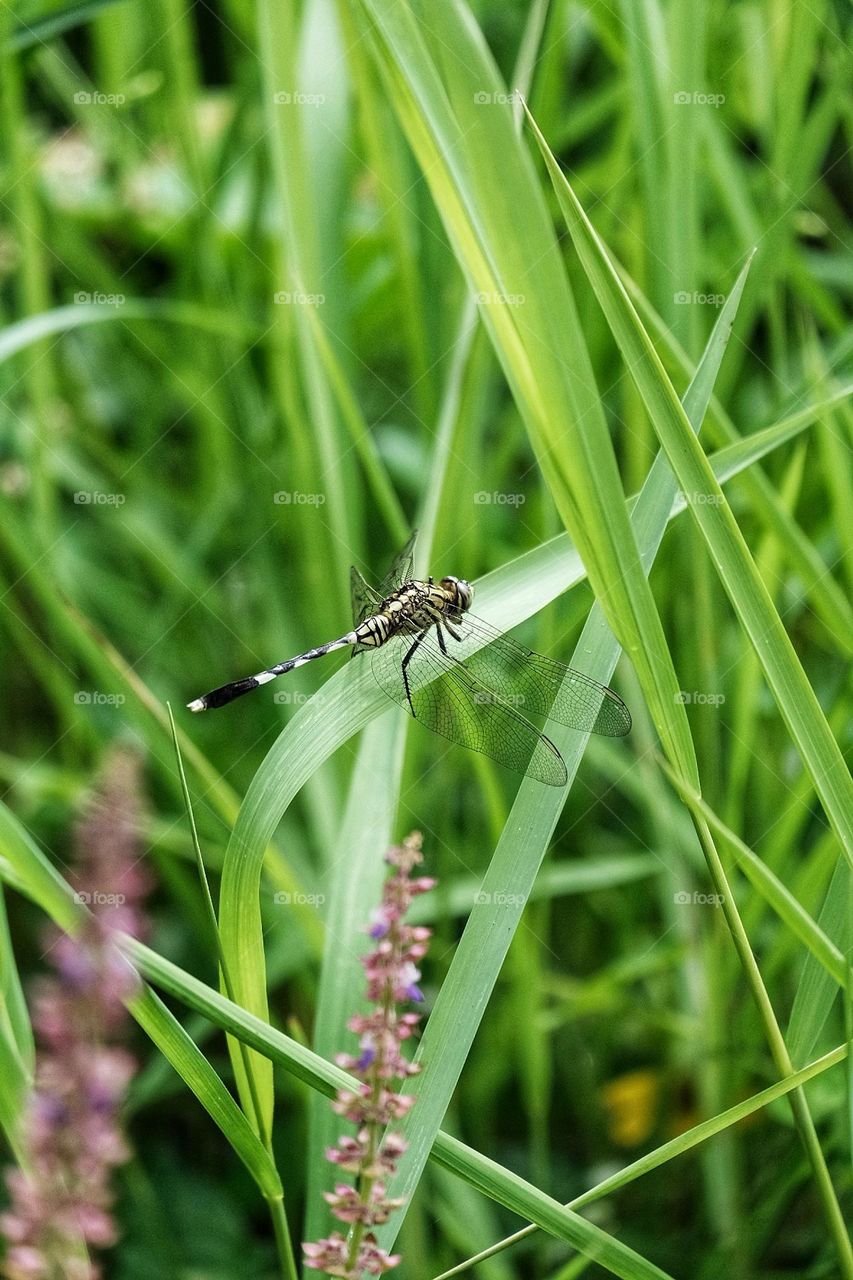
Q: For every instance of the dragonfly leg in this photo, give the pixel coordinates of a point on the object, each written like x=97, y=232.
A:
x=455, y=634
x=409, y=655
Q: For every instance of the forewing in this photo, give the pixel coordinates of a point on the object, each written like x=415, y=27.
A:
x=538, y=685
x=364, y=597
x=450, y=701
x=401, y=568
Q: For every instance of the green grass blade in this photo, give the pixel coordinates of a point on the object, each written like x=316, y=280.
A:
x=17, y=1050
x=440, y=101
x=750, y=599
x=324, y=1076
x=354, y=876
x=36, y=875
x=828, y=956
x=480, y=1172
x=817, y=990
x=509, y=880
x=351, y=699
x=194, y=1069
x=675, y=1147
x=33, y=329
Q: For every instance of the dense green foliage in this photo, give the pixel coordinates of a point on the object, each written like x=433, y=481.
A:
x=280, y=282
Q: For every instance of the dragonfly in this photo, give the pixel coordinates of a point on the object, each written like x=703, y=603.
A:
x=457, y=675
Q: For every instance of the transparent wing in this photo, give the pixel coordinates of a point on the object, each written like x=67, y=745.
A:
x=365, y=598
x=535, y=684
x=450, y=701
x=401, y=568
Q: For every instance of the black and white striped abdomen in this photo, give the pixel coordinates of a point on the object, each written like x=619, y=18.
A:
x=374, y=631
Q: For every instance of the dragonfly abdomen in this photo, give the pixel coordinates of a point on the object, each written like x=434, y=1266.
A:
x=228, y=692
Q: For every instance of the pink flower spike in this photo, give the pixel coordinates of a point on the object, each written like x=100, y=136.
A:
x=392, y=977
x=73, y=1140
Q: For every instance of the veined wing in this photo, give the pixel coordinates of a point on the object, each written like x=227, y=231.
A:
x=536, y=684
x=450, y=701
x=365, y=598
x=401, y=568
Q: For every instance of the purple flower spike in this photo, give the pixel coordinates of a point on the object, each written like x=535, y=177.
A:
x=61, y=1208
x=392, y=976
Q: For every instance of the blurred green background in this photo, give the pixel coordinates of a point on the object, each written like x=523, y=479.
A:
x=235, y=334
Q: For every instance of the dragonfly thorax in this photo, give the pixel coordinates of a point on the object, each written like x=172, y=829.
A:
x=415, y=607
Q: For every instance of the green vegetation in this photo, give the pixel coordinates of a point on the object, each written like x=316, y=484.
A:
x=564, y=286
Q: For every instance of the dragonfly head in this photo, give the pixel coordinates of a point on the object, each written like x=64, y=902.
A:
x=461, y=591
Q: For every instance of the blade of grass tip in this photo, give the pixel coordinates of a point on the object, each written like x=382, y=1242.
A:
x=750, y=599
x=253, y=1072
x=474, y=970
x=528, y=55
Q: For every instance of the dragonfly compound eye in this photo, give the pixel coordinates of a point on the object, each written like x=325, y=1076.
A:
x=462, y=590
